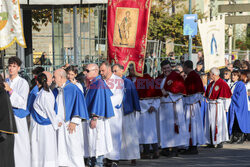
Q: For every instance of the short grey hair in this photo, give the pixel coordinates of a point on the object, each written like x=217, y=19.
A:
x=215, y=71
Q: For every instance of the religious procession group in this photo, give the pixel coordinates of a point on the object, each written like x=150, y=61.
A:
x=105, y=115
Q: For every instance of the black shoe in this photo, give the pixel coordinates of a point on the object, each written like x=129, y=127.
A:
x=156, y=155
x=219, y=145
x=146, y=156
x=191, y=151
x=165, y=152
x=241, y=139
x=173, y=153
x=210, y=146
x=133, y=162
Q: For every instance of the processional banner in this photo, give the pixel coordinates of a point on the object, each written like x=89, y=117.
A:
x=212, y=34
x=11, y=28
x=127, y=32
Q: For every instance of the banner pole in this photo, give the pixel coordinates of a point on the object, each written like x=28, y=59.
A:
x=3, y=65
x=190, y=37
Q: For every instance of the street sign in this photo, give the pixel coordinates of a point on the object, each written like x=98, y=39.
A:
x=190, y=24
x=231, y=8
x=237, y=19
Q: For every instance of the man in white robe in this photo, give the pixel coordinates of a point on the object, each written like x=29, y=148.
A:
x=173, y=132
x=218, y=95
x=71, y=110
x=116, y=85
x=192, y=102
x=146, y=119
x=98, y=100
x=130, y=139
x=18, y=89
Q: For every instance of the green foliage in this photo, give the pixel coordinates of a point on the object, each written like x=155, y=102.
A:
x=44, y=16
x=164, y=25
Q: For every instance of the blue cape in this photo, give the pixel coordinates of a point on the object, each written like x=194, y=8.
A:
x=74, y=102
x=98, y=99
x=21, y=113
x=239, y=108
x=38, y=118
x=204, y=106
x=130, y=99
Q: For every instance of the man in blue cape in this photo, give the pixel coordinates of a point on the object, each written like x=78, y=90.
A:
x=130, y=141
x=98, y=100
x=71, y=111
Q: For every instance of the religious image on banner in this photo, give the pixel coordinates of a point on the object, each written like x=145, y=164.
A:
x=126, y=21
x=11, y=29
x=213, y=41
x=127, y=32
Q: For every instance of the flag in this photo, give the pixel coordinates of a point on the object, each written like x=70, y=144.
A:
x=213, y=41
x=127, y=32
x=11, y=28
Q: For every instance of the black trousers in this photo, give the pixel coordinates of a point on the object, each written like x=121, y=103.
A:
x=7, y=151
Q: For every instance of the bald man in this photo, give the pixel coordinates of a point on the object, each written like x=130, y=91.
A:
x=50, y=82
x=98, y=100
x=71, y=111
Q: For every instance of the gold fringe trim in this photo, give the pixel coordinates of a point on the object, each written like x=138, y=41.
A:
x=8, y=132
x=15, y=38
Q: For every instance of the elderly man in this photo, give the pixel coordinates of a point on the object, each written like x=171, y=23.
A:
x=71, y=111
x=218, y=95
x=192, y=103
x=130, y=141
x=116, y=85
x=98, y=100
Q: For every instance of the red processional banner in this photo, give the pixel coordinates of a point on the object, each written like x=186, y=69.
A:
x=127, y=32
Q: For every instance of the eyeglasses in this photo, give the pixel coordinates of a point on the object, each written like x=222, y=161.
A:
x=87, y=70
x=115, y=71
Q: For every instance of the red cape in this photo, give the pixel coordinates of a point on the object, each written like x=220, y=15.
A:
x=220, y=90
x=194, y=84
x=145, y=86
x=175, y=83
x=157, y=91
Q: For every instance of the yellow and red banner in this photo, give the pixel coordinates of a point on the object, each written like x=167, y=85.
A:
x=11, y=29
x=127, y=32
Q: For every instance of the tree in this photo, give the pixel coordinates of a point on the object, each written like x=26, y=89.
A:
x=44, y=16
x=163, y=25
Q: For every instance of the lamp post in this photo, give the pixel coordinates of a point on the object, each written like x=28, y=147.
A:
x=190, y=37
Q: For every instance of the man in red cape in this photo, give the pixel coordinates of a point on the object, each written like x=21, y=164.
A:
x=146, y=119
x=218, y=95
x=173, y=132
x=192, y=105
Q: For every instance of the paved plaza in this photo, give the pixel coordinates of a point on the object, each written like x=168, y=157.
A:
x=232, y=155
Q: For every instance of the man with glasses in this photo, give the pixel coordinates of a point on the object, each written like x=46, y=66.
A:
x=98, y=100
x=227, y=77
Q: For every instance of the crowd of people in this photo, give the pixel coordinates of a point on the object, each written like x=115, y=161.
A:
x=98, y=117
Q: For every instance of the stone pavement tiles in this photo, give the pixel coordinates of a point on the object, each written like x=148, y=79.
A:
x=232, y=155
